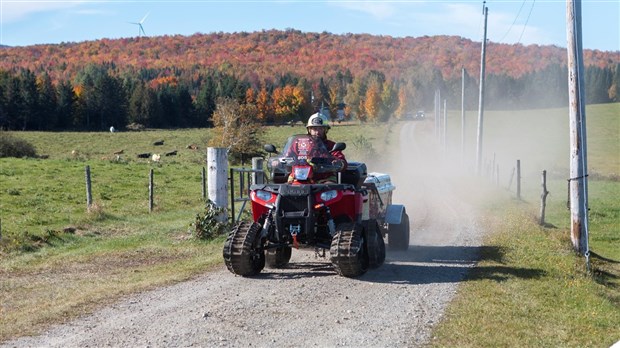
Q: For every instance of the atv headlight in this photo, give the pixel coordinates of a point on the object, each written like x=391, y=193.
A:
x=264, y=195
x=328, y=195
x=301, y=173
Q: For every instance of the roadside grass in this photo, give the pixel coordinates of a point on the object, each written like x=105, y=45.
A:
x=535, y=291
x=59, y=260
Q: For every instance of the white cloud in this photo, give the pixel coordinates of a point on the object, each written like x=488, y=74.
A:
x=379, y=10
x=14, y=10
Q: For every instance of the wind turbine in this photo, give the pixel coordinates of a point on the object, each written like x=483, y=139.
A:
x=139, y=24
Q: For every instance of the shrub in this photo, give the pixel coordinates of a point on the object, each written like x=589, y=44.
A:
x=207, y=224
x=12, y=146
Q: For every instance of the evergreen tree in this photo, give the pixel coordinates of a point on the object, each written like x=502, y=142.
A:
x=66, y=105
x=29, y=116
x=48, y=103
x=205, y=102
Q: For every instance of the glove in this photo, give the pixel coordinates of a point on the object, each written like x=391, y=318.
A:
x=338, y=163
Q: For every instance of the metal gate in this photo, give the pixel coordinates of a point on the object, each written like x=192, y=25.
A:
x=240, y=192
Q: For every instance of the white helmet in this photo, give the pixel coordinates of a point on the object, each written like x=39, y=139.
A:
x=318, y=120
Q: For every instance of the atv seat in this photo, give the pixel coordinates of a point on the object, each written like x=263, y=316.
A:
x=355, y=174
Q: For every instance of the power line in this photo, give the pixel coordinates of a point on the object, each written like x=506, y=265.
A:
x=526, y=21
x=513, y=22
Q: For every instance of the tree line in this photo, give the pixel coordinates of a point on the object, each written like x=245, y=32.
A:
x=102, y=95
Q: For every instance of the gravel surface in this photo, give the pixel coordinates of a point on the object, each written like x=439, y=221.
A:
x=307, y=304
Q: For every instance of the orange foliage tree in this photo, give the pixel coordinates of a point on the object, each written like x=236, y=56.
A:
x=372, y=102
x=287, y=102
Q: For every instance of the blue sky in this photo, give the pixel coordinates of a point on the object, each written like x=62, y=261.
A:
x=541, y=22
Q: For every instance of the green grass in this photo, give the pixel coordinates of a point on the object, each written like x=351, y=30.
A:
x=59, y=259
x=540, y=139
x=531, y=289
x=531, y=292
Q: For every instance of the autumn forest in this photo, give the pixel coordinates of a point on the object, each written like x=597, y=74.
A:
x=179, y=81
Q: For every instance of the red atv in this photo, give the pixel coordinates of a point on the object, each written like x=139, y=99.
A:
x=350, y=217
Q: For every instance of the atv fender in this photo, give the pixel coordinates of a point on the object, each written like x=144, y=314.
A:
x=394, y=213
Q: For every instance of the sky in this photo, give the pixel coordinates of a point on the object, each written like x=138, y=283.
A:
x=541, y=22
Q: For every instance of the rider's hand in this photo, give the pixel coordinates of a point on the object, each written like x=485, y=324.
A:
x=338, y=163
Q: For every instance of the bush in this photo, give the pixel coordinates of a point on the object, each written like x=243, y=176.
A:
x=207, y=225
x=12, y=146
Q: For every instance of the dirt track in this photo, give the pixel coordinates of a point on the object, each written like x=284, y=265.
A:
x=308, y=304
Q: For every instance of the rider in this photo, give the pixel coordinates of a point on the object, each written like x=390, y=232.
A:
x=318, y=126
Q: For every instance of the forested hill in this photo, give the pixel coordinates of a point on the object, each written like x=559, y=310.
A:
x=267, y=54
x=179, y=81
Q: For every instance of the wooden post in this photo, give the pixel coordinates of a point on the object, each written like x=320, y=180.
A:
x=257, y=164
x=512, y=175
x=463, y=115
x=518, y=179
x=445, y=125
x=493, y=167
x=437, y=113
x=151, y=189
x=497, y=176
x=577, y=126
x=217, y=178
x=485, y=10
x=89, y=193
x=543, y=198
x=204, y=184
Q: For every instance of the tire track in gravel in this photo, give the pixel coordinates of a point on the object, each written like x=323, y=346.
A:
x=307, y=304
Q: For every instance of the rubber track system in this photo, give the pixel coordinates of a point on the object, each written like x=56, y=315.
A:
x=375, y=244
x=278, y=257
x=347, y=252
x=239, y=254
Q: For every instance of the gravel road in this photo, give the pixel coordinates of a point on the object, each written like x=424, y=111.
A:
x=307, y=304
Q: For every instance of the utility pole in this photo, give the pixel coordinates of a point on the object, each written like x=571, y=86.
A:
x=578, y=183
x=485, y=10
x=445, y=125
x=437, y=112
x=463, y=115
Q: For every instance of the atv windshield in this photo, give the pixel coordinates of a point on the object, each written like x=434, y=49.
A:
x=303, y=150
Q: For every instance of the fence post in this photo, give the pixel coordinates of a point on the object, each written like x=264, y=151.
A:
x=204, y=184
x=217, y=178
x=151, y=189
x=497, y=176
x=512, y=175
x=89, y=193
x=543, y=197
x=519, y=179
x=257, y=164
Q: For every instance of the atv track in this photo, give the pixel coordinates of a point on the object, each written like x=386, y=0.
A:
x=307, y=304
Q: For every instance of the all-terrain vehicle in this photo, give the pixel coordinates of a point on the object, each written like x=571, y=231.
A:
x=350, y=217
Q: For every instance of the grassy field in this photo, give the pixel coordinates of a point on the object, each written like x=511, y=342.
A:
x=533, y=290
x=58, y=260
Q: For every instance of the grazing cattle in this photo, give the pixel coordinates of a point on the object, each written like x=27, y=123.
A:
x=171, y=153
x=192, y=147
x=158, y=143
x=112, y=129
x=156, y=157
x=119, y=152
x=144, y=155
